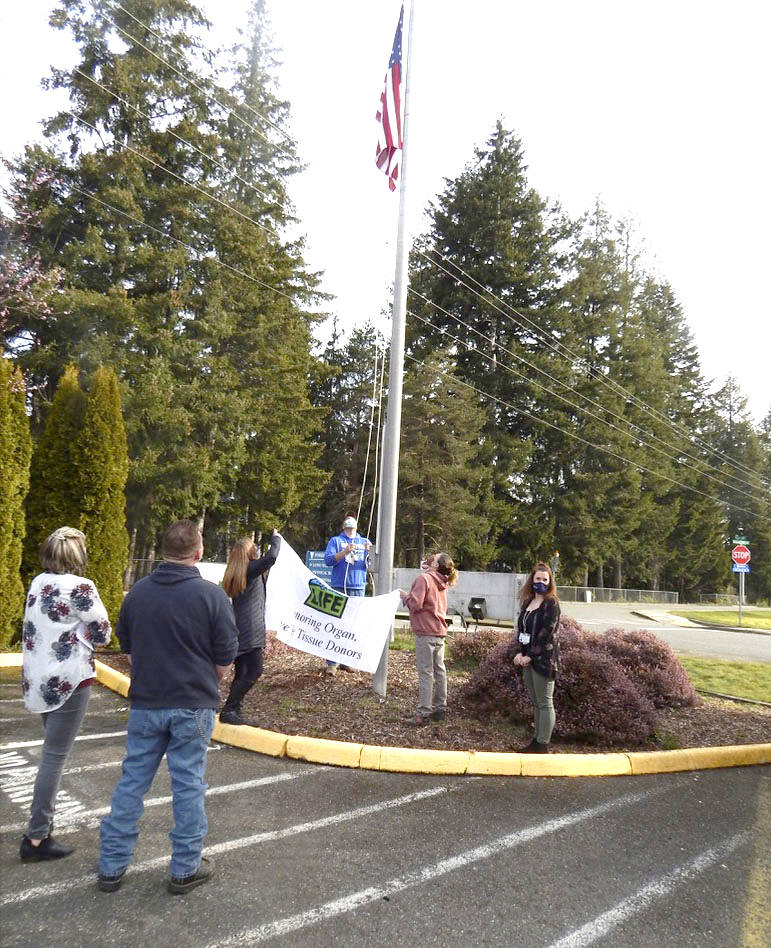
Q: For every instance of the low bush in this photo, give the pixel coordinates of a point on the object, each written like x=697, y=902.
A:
x=608, y=690
x=475, y=645
x=652, y=666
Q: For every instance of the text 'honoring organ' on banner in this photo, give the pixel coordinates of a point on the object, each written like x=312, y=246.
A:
x=309, y=615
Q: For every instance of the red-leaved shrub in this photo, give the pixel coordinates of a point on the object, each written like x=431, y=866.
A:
x=652, y=666
x=596, y=699
x=475, y=644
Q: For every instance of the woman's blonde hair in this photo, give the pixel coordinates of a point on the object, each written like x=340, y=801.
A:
x=444, y=564
x=234, y=580
x=64, y=551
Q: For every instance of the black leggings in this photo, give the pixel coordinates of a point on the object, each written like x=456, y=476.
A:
x=248, y=668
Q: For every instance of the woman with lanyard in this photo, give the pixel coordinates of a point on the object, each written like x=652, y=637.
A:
x=538, y=650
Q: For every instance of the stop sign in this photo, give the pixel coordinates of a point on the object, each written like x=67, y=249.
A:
x=740, y=555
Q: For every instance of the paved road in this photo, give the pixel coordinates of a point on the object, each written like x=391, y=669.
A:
x=316, y=856
x=599, y=617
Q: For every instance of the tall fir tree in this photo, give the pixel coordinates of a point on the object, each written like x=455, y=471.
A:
x=102, y=468
x=486, y=272
x=445, y=494
x=15, y=453
x=175, y=274
x=54, y=498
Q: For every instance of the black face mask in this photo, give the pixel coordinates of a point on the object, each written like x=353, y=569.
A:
x=540, y=587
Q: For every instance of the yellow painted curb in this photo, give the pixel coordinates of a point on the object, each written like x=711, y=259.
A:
x=370, y=757
x=251, y=738
x=576, y=765
x=491, y=764
x=111, y=678
x=317, y=750
x=418, y=760
x=10, y=659
x=699, y=758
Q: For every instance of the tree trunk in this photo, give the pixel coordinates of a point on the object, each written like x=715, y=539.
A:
x=128, y=573
x=421, y=539
x=586, y=575
x=617, y=574
x=600, y=576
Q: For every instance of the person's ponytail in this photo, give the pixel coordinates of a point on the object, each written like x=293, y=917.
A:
x=446, y=567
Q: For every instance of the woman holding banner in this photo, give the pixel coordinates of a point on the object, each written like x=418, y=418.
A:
x=427, y=605
x=244, y=581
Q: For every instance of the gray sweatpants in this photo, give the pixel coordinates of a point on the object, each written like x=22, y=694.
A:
x=61, y=727
x=432, y=675
x=541, y=691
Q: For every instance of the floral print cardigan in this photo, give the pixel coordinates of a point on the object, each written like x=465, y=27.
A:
x=64, y=619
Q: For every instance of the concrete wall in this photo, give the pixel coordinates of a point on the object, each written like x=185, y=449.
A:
x=499, y=589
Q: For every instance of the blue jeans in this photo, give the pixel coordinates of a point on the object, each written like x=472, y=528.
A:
x=349, y=592
x=183, y=735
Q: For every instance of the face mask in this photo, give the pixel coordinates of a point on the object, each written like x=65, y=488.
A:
x=540, y=587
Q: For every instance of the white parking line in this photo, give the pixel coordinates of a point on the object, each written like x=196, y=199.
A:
x=348, y=903
x=92, y=819
x=81, y=737
x=56, y=888
x=660, y=888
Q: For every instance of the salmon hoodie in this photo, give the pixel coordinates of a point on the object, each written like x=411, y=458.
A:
x=427, y=603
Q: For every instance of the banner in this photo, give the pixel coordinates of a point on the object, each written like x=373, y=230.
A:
x=309, y=615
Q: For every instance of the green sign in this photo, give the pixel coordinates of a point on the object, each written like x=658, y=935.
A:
x=325, y=600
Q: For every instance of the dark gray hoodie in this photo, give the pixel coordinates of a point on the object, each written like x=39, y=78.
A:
x=176, y=626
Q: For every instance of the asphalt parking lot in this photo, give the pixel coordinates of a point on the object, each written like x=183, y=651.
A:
x=309, y=855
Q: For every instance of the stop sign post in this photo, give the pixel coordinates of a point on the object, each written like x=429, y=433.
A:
x=741, y=556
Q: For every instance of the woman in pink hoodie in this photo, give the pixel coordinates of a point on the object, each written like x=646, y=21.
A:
x=427, y=605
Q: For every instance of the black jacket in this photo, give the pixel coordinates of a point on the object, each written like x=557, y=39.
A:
x=249, y=607
x=542, y=625
x=176, y=626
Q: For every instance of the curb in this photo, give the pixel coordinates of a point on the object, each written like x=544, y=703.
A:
x=417, y=760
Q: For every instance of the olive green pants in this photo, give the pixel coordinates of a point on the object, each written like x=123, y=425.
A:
x=541, y=691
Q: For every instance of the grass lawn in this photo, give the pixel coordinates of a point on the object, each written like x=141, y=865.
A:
x=751, y=618
x=741, y=679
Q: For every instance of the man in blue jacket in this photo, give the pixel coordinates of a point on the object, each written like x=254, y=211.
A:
x=347, y=555
x=180, y=635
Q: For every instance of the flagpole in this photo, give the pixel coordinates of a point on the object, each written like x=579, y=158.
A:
x=390, y=463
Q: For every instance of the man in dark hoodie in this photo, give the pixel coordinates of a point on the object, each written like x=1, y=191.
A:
x=179, y=633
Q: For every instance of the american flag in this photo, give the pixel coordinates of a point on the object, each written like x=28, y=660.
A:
x=389, y=115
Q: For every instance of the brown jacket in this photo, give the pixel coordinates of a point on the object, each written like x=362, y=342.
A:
x=427, y=604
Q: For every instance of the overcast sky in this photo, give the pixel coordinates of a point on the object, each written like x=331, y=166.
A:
x=660, y=108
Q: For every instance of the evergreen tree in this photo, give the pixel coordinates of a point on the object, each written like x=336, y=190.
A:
x=54, y=498
x=15, y=452
x=444, y=493
x=176, y=273
x=102, y=461
x=746, y=495
x=349, y=393
x=494, y=226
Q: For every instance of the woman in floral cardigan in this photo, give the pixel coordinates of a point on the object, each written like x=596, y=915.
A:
x=64, y=619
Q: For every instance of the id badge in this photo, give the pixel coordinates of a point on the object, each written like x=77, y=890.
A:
x=524, y=638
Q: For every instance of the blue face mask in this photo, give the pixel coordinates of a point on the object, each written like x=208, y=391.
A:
x=540, y=587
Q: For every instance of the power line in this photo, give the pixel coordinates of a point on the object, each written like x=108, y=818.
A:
x=542, y=421
x=579, y=408
x=173, y=174
x=246, y=105
x=179, y=138
x=203, y=91
x=573, y=357
x=196, y=253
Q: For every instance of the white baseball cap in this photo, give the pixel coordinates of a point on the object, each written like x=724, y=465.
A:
x=349, y=522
